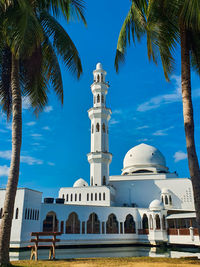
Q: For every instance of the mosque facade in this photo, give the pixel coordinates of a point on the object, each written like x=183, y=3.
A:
x=145, y=204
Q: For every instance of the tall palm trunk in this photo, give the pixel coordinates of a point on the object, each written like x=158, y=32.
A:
x=6, y=223
x=188, y=120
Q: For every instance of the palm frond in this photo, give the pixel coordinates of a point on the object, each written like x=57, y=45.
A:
x=195, y=51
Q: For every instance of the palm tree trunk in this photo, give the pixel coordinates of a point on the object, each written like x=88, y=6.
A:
x=189, y=121
x=6, y=223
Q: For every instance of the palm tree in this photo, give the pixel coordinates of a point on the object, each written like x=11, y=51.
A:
x=31, y=41
x=167, y=23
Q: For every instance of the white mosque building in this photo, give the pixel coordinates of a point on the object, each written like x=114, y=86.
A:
x=145, y=204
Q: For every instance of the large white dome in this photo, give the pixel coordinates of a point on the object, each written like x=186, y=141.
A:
x=156, y=205
x=80, y=183
x=144, y=158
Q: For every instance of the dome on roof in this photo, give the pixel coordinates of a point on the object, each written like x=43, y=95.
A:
x=99, y=66
x=144, y=158
x=156, y=205
x=80, y=183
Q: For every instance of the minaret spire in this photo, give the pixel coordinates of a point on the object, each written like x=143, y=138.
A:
x=99, y=157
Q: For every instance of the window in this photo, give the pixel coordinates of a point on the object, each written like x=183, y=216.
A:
x=91, y=197
x=99, y=196
x=170, y=200
x=71, y=197
x=104, y=196
x=129, y=225
x=98, y=78
x=93, y=224
x=101, y=77
x=75, y=197
x=104, y=180
x=31, y=215
x=157, y=218
x=98, y=98
x=38, y=213
x=28, y=216
x=162, y=199
x=112, y=224
x=103, y=227
x=83, y=227
x=92, y=128
x=79, y=197
x=67, y=198
x=121, y=228
x=72, y=224
x=104, y=127
x=166, y=200
x=96, y=196
x=164, y=223
x=97, y=127
x=145, y=223
x=87, y=196
x=50, y=224
x=62, y=227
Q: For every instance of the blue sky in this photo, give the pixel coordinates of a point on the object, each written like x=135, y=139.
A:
x=145, y=109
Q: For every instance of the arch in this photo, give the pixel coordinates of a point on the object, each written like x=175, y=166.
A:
x=104, y=180
x=50, y=224
x=166, y=200
x=93, y=224
x=104, y=127
x=112, y=225
x=98, y=98
x=102, y=98
x=129, y=225
x=170, y=200
x=97, y=127
x=157, y=219
x=98, y=78
x=1, y=213
x=92, y=128
x=104, y=196
x=72, y=224
x=145, y=222
x=151, y=222
x=163, y=222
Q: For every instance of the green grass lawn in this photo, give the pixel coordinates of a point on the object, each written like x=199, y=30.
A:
x=118, y=262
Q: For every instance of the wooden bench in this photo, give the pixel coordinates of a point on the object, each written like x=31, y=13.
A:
x=38, y=239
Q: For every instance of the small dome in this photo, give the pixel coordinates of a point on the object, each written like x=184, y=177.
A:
x=156, y=205
x=99, y=66
x=80, y=183
x=144, y=158
x=165, y=191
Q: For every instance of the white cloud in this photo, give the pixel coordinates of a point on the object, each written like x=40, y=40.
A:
x=157, y=101
x=35, y=135
x=117, y=111
x=46, y=128
x=48, y=109
x=24, y=159
x=4, y=170
x=113, y=121
x=179, y=155
x=143, y=140
x=142, y=127
x=3, y=131
x=50, y=163
x=162, y=132
x=31, y=123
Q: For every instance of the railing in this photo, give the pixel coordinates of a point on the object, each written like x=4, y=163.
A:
x=182, y=231
x=143, y=231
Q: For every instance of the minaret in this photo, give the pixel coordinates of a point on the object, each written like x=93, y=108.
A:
x=99, y=157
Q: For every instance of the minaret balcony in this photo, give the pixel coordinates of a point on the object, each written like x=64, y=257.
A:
x=99, y=156
x=99, y=112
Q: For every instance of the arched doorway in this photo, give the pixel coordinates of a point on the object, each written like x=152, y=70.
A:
x=93, y=224
x=129, y=225
x=145, y=223
x=112, y=225
x=72, y=224
x=157, y=219
x=50, y=224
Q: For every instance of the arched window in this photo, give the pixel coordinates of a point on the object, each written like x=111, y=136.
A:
x=166, y=200
x=162, y=199
x=170, y=200
x=87, y=196
x=1, y=213
x=112, y=225
x=104, y=196
x=98, y=98
x=75, y=197
x=102, y=98
x=72, y=224
x=157, y=218
x=79, y=197
x=104, y=127
x=145, y=223
x=71, y=197
x=104, y=180
x=95, y=196
x=99, y=196
x=38, y=214
x=25, y=214
x=129, y=225
x=93, y=224
x=50, y=224
x=97, y=127
x=36, y=211
x=92, y=128
x=163, y=223
x=91, y=196
x=151, y=222
x=98, y=78
x=31, y=215
x=102, y=77
x=67, y=198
